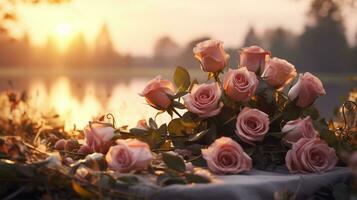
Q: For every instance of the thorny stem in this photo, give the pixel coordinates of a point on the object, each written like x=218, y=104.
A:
x=175, y=111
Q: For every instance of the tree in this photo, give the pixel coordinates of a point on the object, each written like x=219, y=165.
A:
x=282, y=43
x=77, y=54
x=104, y=53
x=165, y=52
x=251, y=38
x=323, y=45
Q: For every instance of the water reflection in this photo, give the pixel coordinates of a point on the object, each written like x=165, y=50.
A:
x=61, y=97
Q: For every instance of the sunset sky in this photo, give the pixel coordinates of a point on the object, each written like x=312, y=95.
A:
x=136, y=25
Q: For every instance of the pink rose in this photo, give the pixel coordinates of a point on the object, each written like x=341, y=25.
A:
x=226, y=156
x=204, y=100
x=211, y=55
x=240, y=84
x=310, y=155
x=157, y=93
x=299, y=128
x=254, y=58
x=306, y=90
x=142, y=124
x=252, y=125
x=98, y=136
x=278, y=73
x=128, y=155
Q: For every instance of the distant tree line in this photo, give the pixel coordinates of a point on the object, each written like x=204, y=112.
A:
x=22, y=54
x=322, y=47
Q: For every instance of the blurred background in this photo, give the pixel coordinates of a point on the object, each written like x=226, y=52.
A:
x=82, y=58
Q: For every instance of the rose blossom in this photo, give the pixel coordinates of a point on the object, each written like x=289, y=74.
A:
x=310, y=155
x=142, y=124
x=240, y=84
x=254, y=58
x=157, y=93
x=278, y=73
x=252, y=125
x=306, y=90
x=98, y=136
x=226, y=156
x=128, y=155
x=211, y=55
x=299, y=128
x=204, y=100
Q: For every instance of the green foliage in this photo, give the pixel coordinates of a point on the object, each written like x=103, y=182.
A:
x=182, y=79
x=174, y=162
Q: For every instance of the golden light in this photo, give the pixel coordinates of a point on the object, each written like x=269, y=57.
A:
x=63, y=33
x=64, y=30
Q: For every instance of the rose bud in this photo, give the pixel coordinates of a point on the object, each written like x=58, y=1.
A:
x=204, y=100
x=306, y=90
x=68, y=161
x=98, y=136
x=211, y=55
x=128, y=155
x=310, y=155
x=226, y=156
x=299, y=128
x=278, y=73
x=59, y=145
x=142, y=124
x=240, y=84
x=252, y=125
x=84, y=150
x=254, y=58
x=157, y=93
x=70, y=145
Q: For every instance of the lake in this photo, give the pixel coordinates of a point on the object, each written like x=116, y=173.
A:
x=78, y=95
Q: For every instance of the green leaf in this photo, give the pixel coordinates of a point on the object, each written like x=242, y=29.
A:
x=152, y=123
x=262, y=86
x=329, y=137
x=138, y=131
x=175, y=128
x=129, y=180
x=249, y=151
x=179, y=94
x=312, y=112
x=197, y=136
x=162, y=129
x=169, y=179
x=182, y=78
x=194, y=178
x=199, y=162
x=174, y=162
x=194, y=82
x=278, y=135
x=178, y=105
x=105, y=181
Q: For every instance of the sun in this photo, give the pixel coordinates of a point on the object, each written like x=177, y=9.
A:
x=63, y=33
x=64, y=30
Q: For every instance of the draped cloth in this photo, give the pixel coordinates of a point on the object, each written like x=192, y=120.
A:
x=253, y=185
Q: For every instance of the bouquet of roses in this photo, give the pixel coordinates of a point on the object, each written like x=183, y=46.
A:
x=242, y=117
x=237, y=119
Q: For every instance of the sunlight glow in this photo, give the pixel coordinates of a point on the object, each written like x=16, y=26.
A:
x=63, y=33
x=64, y=30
